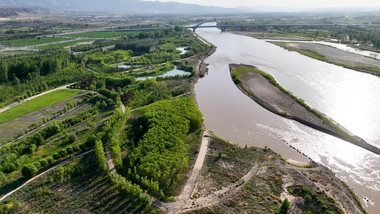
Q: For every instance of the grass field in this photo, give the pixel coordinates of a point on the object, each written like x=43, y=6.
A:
x=36, y=104
x=30, y=41
x=62, y=45
x=104, y=34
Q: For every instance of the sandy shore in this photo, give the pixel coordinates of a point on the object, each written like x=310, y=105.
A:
x=335, y=56
x=277, y=101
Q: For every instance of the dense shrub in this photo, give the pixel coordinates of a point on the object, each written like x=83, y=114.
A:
x=29, y=170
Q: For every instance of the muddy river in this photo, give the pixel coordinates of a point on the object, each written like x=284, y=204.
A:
x=349, y=97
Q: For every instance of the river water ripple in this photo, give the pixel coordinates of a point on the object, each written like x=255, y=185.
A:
x=349, y=97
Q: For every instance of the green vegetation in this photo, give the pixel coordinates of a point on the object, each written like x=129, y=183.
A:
x=315, y=55
x=48, y=145
x=24, y=76
x=78, y=186
x=158, y=156
x=152, y=147
x=13, y=129
x=100, y=155
x=31, y=41
x=103, y=34
x=336, y=28
x=99, y=43
x=152, y=162
x=62, y=45
x=285, y=206
x=113, y=128
x=314, y=202
x=36, y=104
x=29, y=170
x=13, y=53
x=101, y=61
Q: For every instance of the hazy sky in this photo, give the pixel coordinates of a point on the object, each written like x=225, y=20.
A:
x=285, y=3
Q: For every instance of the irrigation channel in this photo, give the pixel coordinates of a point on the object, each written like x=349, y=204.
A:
x=349, y=97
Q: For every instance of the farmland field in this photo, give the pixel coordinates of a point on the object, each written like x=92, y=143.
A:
x=30, y=41
x=104, y=34
x=11, y=129
x=36, y=104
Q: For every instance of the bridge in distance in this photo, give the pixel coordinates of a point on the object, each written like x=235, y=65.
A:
x=224, y=27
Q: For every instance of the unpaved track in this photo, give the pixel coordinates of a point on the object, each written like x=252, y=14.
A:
x=43, y=173
x=190, y=184
x=32, y=97
x=225, y=192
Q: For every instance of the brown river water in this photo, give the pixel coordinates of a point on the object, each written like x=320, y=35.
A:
x=349, y=97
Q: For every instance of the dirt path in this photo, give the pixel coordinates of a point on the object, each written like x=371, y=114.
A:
x=190, y=184
x=41, y=174
x=32, y=97
x=201, y=39
x=225, y=192
x=110, y=163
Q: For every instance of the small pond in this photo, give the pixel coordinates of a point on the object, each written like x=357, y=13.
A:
x=123, y=66
x=171, y=73
x=182, y=49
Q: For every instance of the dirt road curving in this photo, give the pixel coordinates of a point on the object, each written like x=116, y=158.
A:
x=190, y=184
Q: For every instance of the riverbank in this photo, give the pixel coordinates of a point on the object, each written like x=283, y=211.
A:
x=264, y=89
x=334, y=56
x=255, y=180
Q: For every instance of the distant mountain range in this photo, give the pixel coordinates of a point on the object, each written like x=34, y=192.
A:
x=119, y=6
x=7, y=12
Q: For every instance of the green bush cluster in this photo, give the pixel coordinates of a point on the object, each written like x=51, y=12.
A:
x=315, y=203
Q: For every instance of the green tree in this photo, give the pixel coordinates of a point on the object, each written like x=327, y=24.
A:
x=59, y=174
x=3, y=178
x=3, y=72
x=308, y=198
x=29, y=170
x=285, y=206
x=43, y=162
x=72, y=138
x=114, y=145
x=100, y=155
